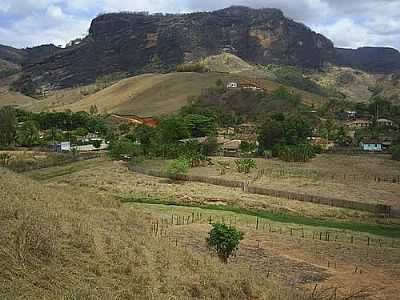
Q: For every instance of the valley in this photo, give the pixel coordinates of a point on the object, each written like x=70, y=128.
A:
x=227, y=154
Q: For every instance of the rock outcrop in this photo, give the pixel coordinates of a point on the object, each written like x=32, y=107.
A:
x=134, y=43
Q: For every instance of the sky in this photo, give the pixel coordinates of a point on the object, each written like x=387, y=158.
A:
x=348, y=23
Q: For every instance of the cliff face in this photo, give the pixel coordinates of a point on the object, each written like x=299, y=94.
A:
x=135, y=43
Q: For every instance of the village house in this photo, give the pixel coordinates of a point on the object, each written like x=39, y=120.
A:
x=251, y=86
x=385, y=122
x=358, y=124
x=325, y=144
x=372, y=145
x=351, y=115
x=231, y=148
x=232, y=85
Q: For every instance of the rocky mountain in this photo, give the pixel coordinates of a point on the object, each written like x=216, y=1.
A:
x=135, y=43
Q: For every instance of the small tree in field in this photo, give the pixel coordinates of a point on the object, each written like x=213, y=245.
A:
x=178, y=166
x=224, y=240
x=396, y=152
x=245, y=165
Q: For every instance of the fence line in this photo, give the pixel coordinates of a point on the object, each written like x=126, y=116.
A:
x=335, y=202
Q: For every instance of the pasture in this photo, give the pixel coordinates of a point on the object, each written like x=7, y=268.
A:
x=316, y=260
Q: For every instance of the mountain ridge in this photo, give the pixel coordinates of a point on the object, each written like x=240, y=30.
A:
x=137, y=43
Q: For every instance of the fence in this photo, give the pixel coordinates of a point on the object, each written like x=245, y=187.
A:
x=55, y=160
x=335, y=202
x=329, y=176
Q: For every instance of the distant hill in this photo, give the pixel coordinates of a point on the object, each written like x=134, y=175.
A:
x=357, y=85
x=148, y=94
x=369, y=59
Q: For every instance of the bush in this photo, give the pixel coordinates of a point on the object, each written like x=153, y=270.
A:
x=224, y=240
x=178, y=166
x=296, y=153
x=396, y=152
x=123, y=148
x=245, y=165
x=192, y=67
x=96, y=143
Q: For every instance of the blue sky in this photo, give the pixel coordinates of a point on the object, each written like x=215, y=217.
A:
x=349, y=23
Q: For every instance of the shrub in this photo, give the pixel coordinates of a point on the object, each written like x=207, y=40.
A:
x=396, y=152
x=297, y=153
x=224, y=240
x=178, y=166
x=192, y=67
x=245, y=165
x=96, y=143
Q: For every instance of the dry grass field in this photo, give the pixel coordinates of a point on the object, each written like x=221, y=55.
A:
x=144, y=95
x=65, y=242
x=289, y=255
x=332, y=175
x=8, y=97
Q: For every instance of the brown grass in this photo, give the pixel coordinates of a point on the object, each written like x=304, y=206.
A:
x=339, y=176
x=70, y=243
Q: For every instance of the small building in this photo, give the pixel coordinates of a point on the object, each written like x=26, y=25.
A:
x=232, y=85
x=359, y=123
x=385, y=122
x=91, y=147
x=351, y=114
x=325, y=144
x=371, y=145
x=61, y=147
x=231, y=148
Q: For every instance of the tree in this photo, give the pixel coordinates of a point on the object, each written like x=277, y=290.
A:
x=210, y=146
x=8, y=125
x=224, y=240
x=200, y=125
x=270, y=133
x=172, y=129
x=96, y=143
x=178, y=166
x=245, y=165
x=28, y=134
x=396, y=152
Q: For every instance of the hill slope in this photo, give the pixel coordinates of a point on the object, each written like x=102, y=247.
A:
x=68, y=243
x=357, y=85
x=160, y=94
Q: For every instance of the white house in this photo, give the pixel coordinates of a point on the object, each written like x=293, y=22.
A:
x=371, y=145
x=232, y=85
x=385, y=122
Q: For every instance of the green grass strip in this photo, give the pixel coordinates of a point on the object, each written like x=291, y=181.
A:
x=381, y=230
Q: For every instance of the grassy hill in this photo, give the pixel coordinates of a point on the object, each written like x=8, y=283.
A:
x=159, y=94
x=68, y=243
x=358, y=85
x=153, y=94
